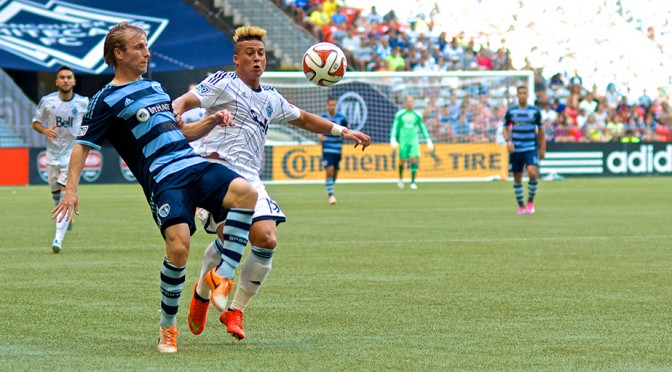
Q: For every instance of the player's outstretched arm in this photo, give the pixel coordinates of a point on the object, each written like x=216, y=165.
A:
x=317, y=124
x=184, y=103
x=69, y=204
x=198, y=129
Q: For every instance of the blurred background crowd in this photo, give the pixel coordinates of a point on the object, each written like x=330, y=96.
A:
x=610, y=86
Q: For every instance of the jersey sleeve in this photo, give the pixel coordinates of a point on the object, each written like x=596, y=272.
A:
x=507, y=118
x=94, y=127
x=214, y=88
x=41, y=113
x=393, y=133
x=285, y=111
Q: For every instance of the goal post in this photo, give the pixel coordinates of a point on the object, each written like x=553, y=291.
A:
x=463, y=112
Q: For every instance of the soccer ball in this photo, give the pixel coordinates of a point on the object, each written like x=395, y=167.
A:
x=324, y=64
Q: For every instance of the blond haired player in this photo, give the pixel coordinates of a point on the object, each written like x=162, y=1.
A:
x=241, y=147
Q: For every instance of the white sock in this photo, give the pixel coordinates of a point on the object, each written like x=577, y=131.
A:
x=253, y=274
x=211, y=259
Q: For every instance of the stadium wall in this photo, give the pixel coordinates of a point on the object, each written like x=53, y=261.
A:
x=378, y=163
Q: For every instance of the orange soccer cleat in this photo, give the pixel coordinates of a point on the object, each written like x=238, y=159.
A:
x=233, y=319
x=198, y=313
x=220, y=287
x=168, y=339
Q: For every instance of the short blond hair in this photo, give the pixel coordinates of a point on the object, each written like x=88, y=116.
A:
x=116, y=38
x=245, y=33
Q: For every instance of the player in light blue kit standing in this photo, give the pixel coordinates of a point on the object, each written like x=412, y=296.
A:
x=58, y=116
x=135, y=116
x=526, y=142
x=332, y=148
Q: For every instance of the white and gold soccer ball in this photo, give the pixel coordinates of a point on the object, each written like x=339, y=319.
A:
x=324, y=64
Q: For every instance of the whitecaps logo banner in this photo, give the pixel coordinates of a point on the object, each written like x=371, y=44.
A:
x=59, y=32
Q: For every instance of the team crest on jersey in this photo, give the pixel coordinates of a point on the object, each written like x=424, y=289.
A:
x=58, y=32
x=269, y=110
x=157, y=88
x=202, y=89
x=164, y=211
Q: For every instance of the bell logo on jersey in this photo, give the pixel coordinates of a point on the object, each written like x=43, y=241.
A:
x=61, y=123
x=66, y=33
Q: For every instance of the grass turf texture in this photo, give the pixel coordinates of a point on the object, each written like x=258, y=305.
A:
x=444, y=277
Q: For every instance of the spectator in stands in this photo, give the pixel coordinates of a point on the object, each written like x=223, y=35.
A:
x=612, y=96
x=339, y=18
x=615, y=128
x=373, y=16
x=601, y=113
x=468, y=61
x=58, y=116
x=483, y=60
x=461, y=129
x=453, y=53
x=502, y=60
x=558, y=106
x=562, y=129
x=319, y=18
x=547, y=113
x=383, y=48
x=589, y=103
x=330, y=7
x=363, y=54
x=623, y=108
x=395, y=61
x=630, y=137
x=593, y=131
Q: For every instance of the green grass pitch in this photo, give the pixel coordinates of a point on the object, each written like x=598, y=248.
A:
x=442, y=278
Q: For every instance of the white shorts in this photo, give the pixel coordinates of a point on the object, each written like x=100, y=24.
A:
x=57, y=176
x=266, y=209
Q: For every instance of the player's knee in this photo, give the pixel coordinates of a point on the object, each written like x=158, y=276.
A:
x=241, y=194
x=264, y=239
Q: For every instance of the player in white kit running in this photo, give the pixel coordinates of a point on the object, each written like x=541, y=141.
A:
x=240, y=147
x=59, y=116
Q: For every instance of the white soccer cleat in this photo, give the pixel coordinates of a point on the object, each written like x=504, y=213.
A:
x=400, y=184
x=56, y=246
x=332, y=200
x=414, y=186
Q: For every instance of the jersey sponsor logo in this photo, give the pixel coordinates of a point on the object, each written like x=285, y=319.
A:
x=125, y=171
x=64, y=123
x=59, y=32
x=93, y=166
x=161, y=107
x=261, y=121
x=354, y=108
x=142, y=115
x=164, y=211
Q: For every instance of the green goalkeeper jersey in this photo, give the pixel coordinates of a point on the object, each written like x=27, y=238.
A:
x=406, y=125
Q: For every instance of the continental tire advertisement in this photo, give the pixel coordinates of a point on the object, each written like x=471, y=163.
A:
x=379, y=162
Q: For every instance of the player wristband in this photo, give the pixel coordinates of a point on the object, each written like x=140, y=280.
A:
x=337, y=130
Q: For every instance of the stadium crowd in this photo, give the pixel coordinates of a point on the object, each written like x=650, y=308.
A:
x=571, y=112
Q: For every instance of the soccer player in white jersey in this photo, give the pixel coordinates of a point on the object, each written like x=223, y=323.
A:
x=58, y=116
x=240, y=147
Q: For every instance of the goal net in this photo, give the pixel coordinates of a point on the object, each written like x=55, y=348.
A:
x=462, y=111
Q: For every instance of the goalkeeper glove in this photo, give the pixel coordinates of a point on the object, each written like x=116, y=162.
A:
x=430, y=145
x=394, y=144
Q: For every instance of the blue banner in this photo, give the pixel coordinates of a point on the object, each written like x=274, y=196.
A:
x=42, y=35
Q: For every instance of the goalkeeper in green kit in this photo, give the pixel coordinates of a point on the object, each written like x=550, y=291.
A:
x=404, y=136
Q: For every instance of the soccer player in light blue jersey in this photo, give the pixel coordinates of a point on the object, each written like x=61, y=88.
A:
x=526, y=142
x=332, y=148
x=135, y=116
